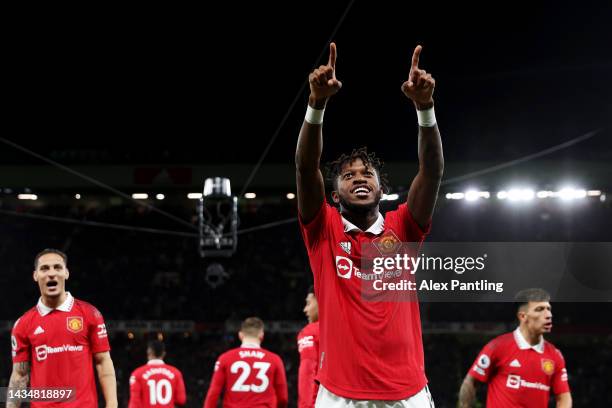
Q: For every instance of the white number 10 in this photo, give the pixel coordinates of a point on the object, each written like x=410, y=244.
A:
x=160, y=392
x=260, y=366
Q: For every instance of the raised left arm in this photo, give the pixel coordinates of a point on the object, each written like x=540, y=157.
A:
x=424, y=188
x=106, y=376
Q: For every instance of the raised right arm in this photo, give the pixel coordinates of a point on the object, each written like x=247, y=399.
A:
x=310, y=183
x=20, y=378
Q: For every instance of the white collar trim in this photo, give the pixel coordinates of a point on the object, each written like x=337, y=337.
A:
x=156, y=361
x=377, y=228
x=524, y=345
x=64, y=307
x=250, y=345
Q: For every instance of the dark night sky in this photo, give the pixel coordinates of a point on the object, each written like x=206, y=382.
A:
x=212, y=85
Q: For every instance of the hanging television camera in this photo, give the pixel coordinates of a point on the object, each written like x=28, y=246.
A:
x=218, y=219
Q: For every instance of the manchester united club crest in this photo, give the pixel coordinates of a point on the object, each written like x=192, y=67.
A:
x=74, y=324
x=548, y=366
x=388, y=243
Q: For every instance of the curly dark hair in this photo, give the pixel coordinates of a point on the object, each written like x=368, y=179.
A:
x=333, y=168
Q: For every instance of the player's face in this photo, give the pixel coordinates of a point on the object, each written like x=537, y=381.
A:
x=358, y=187
x=539, y=317
x=311, y=310
x=51, y=274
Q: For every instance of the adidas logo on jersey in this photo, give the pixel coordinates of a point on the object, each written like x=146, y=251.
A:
x=39, y=330
x=346, y=246
x=515, y=363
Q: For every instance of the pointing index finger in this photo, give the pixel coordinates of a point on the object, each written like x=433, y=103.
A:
x=415, y=57
x=332, y=55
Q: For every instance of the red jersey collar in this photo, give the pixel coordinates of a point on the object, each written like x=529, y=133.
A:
x=524, y=345
x=377, y=228
x=64, y=307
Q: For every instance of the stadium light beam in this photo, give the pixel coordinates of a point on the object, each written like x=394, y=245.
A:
x=517, y=194
x=474, y=195
x=569, y=193
x=471, y=195
x=455, y=196
x=32, y=197
x=544, y=194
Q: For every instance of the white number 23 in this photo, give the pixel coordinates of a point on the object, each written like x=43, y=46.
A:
x=245, y=368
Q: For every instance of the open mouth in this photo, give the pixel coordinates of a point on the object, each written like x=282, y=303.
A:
x=361, y=191
x=52, y=284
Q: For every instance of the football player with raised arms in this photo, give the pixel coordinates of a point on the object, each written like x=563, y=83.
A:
x=370, y=353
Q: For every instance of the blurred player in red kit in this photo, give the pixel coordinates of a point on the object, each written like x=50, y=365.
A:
x=370, y=353
x=249, y=376
x=521, y=367
x=156, y=384
x=308, y=347
x=54, y=342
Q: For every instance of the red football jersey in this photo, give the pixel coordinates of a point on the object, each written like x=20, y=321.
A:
x=518, y=374
x=156, y=384
x=368, y=350
x=308, y=347
x=59, y=343
x=249, y=377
